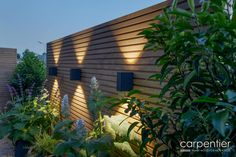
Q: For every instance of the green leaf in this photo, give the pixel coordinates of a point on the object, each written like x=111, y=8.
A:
x=218, y=121
x=64, y=123
x=205, y=99
x=19, y=126
x=131, y=127
x=5, y=130
x=224, y=104
x=223, y=74
x=155, y=76
x=205, y=6
x=174, y=4
x=61, y=148
x=181, y=12
x=231, y=95
x=116, y=102
x=132, y=92
x=70, y=155
x=191, y=4
x=189, y=78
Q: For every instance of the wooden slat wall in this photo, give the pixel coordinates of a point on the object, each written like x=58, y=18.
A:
x=102, y=51
x=7, y=66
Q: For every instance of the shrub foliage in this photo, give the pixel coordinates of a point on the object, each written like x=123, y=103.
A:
x=31, y=70
x=198, y=68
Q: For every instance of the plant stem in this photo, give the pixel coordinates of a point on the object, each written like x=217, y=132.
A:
x=100, y=122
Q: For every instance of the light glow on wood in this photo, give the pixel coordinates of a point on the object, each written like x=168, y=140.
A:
x=55, y=95
x=130, y=55
x=56, y=51
x=81, y=52
x=76, y=104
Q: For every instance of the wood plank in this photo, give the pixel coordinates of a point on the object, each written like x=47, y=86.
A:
x=7, y=66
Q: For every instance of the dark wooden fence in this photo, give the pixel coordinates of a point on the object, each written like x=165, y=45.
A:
x=7, y=65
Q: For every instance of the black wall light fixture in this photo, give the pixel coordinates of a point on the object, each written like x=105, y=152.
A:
x=124, y=81
x=52, y=71
x=75, y=74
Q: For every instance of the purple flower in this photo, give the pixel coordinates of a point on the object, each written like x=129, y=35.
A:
x=20, y=85
x=15, y=92
x=81, y=130
x=10, y=91
x=31, y=90
x=65, y=108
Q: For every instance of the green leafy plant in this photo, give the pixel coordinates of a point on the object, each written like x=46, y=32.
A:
x=28, y=118
x=197, y=71
x=72, y=140
x=44, y=145
x=113, y=140
x=32, y=71
x=117, y=128
x=107, y=136
x=98, y=143
x=96, y=103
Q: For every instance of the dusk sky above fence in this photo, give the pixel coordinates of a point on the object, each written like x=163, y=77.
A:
x=24, y=23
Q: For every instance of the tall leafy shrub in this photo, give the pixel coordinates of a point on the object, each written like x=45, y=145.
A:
x=31, y=71
x=198, y=73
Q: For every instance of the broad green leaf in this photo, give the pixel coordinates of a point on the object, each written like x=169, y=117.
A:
x=131, y=127
x=116, y=102
x=189, y=78
x=165, y=74
x=205, y=5
x=191, y=4
x=132, y=92
x=224, y=104
x=231, y=95
x=146, y=32
x=5, y=130
x=205, y=99
x=71, y=155
x=181, y=12
x=19, y=126
x=174, y=4
x=155, y=76
x=61, y=148
x=218, y=121
x=63, y=123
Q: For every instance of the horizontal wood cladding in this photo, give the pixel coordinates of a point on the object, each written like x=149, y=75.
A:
x=102, y=51
x=7, y=66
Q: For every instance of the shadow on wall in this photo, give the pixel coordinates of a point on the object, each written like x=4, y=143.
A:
x=102, y=60
x=53, y=81
x=98, y=53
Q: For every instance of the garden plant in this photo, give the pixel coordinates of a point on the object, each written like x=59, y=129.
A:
x=35, y=127
x=198, y=74
x=27, y=118
x=32, y=72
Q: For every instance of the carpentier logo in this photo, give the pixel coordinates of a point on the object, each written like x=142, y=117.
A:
x=204, y=146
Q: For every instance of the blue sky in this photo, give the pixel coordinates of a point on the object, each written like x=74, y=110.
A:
x=25, y=22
